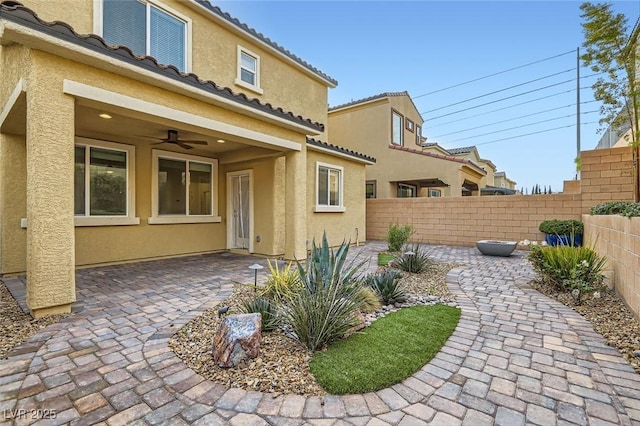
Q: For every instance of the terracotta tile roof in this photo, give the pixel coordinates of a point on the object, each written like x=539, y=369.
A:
x=340, y=149
x=244, y=27
x=463, y=150
x=439, y=156
x=16, y=12
x=370, y=98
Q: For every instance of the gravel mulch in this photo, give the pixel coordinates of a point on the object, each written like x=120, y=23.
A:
x=15, y=325
x=283, y=364
x=609, y=316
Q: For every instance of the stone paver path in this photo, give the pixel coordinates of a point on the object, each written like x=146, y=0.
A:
x=516, y=357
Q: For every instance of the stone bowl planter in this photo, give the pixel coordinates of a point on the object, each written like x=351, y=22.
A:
x=496, y=248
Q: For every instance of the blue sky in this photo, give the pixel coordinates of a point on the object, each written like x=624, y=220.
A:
x=422, y=47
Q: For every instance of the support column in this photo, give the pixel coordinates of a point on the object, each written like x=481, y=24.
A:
x=296, y=205
x=50, y=213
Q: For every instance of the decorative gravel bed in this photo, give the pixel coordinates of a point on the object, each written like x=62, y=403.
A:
x=283, y=365
x=609, y=316
x=15, y=325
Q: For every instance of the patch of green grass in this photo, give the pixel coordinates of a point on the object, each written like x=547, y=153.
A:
x=385, y=258
x=385, y=353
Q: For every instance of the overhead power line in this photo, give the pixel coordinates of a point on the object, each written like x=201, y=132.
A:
x=498, y=91
x=494, y=74
x=519, y=127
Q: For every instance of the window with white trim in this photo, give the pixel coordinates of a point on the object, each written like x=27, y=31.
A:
x=146, y=29
x=248, y=70
x=329, y=187
x=184, y=188
x=397, y=128
x=103, y=183
x=435, y=193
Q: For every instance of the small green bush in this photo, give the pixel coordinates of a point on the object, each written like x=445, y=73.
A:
x=370, y=300
x=266, y=308
x=419, y=261
x=386, y=286
x=282, y=283
x=326, y=306
x=562, y=227
x=397, y=236
x=577, y=270
x=623, y=208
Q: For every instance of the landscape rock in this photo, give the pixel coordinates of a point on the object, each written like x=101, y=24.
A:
x=237, y=339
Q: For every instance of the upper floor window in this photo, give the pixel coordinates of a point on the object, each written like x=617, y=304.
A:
x=409, y=125
x=329, y=188
x=418, y=136
x=397, y=128
x=248, y=70
x=147, y=29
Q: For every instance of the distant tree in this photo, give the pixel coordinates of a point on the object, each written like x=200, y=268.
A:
x=611, y=53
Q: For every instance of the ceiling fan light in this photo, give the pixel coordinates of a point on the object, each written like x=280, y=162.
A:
x=221, y=141
x=105, y=116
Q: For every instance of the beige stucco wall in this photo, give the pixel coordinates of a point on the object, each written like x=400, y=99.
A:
x=339, y=226
x=216, y=57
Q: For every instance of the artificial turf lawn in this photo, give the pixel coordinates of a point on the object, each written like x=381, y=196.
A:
x=384, y=258
x=385, y=353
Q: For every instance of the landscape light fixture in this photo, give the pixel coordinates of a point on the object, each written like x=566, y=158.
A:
x=409, y=253
x=255, y=268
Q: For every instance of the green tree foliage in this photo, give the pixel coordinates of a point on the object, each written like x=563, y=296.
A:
x=611, y=53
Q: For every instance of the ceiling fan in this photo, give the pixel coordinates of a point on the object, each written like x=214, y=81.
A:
x=172, y=137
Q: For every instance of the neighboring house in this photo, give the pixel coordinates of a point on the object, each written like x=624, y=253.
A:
x=494, y=183
x=108, y=155
x=389, y=127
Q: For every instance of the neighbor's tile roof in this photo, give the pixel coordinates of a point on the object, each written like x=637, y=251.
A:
x=370, y=98
x=340, y=149
x=16, y=12
x=244, y=27
x=463, y=150
x=440, y=156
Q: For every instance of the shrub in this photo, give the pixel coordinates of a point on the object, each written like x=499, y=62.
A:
x=578, y=270
x=386, y=286
x=397, y=236
x=623, y=208
x=562, y=227
x=282, y=283
x=266, y=308
x=370, y=300
x=419, y=261
x=325, y=308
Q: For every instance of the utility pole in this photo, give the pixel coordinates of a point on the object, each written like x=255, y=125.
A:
x=577, y=107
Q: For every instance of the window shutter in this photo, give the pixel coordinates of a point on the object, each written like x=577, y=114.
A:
x=124, y=23
x=167, y=36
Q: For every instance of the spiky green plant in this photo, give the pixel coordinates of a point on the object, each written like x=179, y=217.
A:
x=414, y=259
x=282, y=283
x=325, y=308
x=386, y=286
x=370, y=300
x=266, y=308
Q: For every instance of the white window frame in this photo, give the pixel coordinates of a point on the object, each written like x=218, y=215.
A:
x=393, y=115
x=238, y=81
x=98, y=26
x=322, y=208
x=130, y=217
x=157, y=219
x=433, y=191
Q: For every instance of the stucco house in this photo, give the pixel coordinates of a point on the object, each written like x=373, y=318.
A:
x=494, y=182
x=141, y=129
x=389, y=127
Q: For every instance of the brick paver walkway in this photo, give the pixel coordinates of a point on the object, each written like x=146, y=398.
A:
x=516, y=357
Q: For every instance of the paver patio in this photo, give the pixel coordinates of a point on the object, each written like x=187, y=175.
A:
x=516, y=357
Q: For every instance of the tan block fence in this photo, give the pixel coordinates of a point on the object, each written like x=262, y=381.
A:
x=461, y=221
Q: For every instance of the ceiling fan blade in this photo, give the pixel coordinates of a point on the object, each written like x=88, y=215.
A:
x=158, y=143
x=184, y=145
x=196, y=142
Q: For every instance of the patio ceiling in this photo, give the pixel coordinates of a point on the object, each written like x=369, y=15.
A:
x=424, y=183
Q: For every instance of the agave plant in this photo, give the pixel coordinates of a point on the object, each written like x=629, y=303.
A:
x=414, y=259
x=387, y=286
x=325, y=308
x=266, y=308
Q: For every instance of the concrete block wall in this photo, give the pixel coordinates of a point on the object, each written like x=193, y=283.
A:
x=606, y=175
x=618, y=238
x=462, y=221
